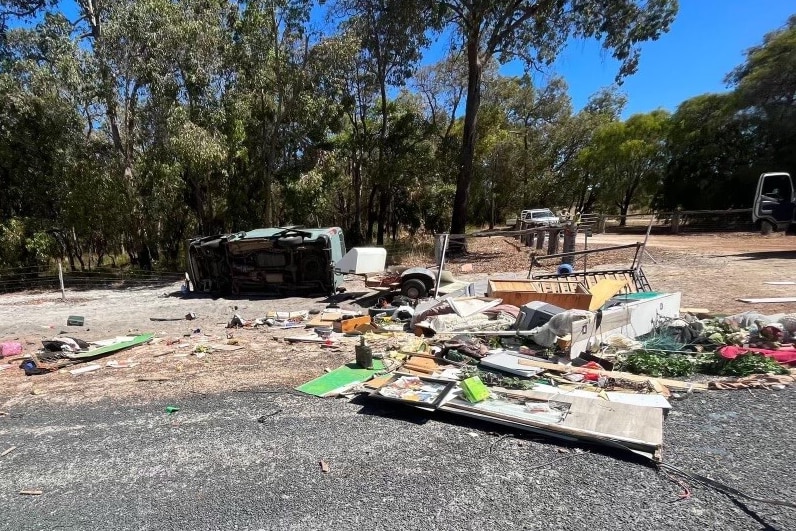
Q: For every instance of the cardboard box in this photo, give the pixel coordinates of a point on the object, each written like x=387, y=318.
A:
x=349, y=325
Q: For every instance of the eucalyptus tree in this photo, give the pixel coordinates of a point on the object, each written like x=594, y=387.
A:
x=765, y=86
x=630, y=158
x=535, y=31
x=391, y=35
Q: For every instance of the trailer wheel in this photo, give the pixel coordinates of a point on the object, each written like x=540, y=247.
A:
x=413, y=288
x=766, y=227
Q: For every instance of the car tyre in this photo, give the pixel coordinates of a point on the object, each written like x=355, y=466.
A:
x=413, y=288
x=766, y=227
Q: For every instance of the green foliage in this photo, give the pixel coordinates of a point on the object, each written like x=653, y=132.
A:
x=657, y=364
x=629, y=158
x=140, y=123
x=743, y=365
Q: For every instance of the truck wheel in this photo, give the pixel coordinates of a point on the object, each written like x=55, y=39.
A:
x=766, y=227
x=413, y=288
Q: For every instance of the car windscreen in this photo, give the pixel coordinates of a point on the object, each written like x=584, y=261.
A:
x=542, y=214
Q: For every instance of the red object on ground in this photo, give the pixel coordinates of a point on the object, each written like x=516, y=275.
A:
x=10, y=348
x=786, y=355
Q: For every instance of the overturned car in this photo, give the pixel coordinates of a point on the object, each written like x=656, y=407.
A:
x=278, y=260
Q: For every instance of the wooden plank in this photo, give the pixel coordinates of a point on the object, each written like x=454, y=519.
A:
x=768, y=300
x=615, y=419
x=673, y=384
x=224, y=348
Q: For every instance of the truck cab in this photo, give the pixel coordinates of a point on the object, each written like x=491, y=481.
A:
x=775, y=202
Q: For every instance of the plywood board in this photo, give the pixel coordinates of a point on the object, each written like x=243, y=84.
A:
x=508, y=363
x=612, y=419
x=548, y=392
x=591, y=420
x=340, y=378
x=561, y=293
x=324, y=319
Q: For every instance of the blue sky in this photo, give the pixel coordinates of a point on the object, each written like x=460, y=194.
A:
x=707, y=40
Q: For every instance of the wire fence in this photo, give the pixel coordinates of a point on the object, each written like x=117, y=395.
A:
x=46, y=278
x=691, y=221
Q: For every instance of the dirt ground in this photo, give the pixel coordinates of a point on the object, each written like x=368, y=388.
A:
x=711, y=271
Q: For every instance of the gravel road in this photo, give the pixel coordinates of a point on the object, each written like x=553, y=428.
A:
x=214, y=465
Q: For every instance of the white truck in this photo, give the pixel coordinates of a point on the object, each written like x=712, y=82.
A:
x=775, y=202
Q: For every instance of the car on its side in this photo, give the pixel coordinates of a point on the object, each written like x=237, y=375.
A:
x=539, y=217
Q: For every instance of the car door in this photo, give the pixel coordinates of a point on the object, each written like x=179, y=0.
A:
x=774, y=200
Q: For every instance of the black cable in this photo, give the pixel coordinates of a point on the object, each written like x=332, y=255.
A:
x=721, y=487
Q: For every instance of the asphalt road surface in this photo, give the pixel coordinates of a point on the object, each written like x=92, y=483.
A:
x=251, y=460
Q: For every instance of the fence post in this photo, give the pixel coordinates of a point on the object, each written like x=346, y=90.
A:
x=570, y=233
x=539, y=238
x=61, y=280
x=676, y=222
x=601, y=224
x=552, y=244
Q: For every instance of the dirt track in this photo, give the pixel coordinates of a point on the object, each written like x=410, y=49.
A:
x=713, y=270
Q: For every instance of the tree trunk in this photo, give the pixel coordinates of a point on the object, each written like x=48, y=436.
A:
x=355, y=234
x=384, y=201
x=371, y=213
x=627, y=199
x=266, y=169
x=474, y=71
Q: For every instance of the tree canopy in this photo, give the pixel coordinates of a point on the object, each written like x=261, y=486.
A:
x=128, y=127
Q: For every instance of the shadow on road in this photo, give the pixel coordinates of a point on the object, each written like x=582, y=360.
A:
x=760, y=255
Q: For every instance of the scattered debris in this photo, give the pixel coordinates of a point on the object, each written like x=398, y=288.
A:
x=324, y=466
x=765, y=300
x=8, y=451
x=31, y=492
x=115, y=364
x=171, y=409
x=85, y=369
x=262, y=418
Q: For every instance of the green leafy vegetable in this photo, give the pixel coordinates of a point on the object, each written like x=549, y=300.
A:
x=743, y=365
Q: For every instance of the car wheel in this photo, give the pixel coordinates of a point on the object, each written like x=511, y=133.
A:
x=766, y=227
x=413, y=288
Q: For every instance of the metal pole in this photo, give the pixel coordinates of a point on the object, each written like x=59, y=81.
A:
x=441, y=264
x=585, y=248
x=644, y=245
x=61, y=280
